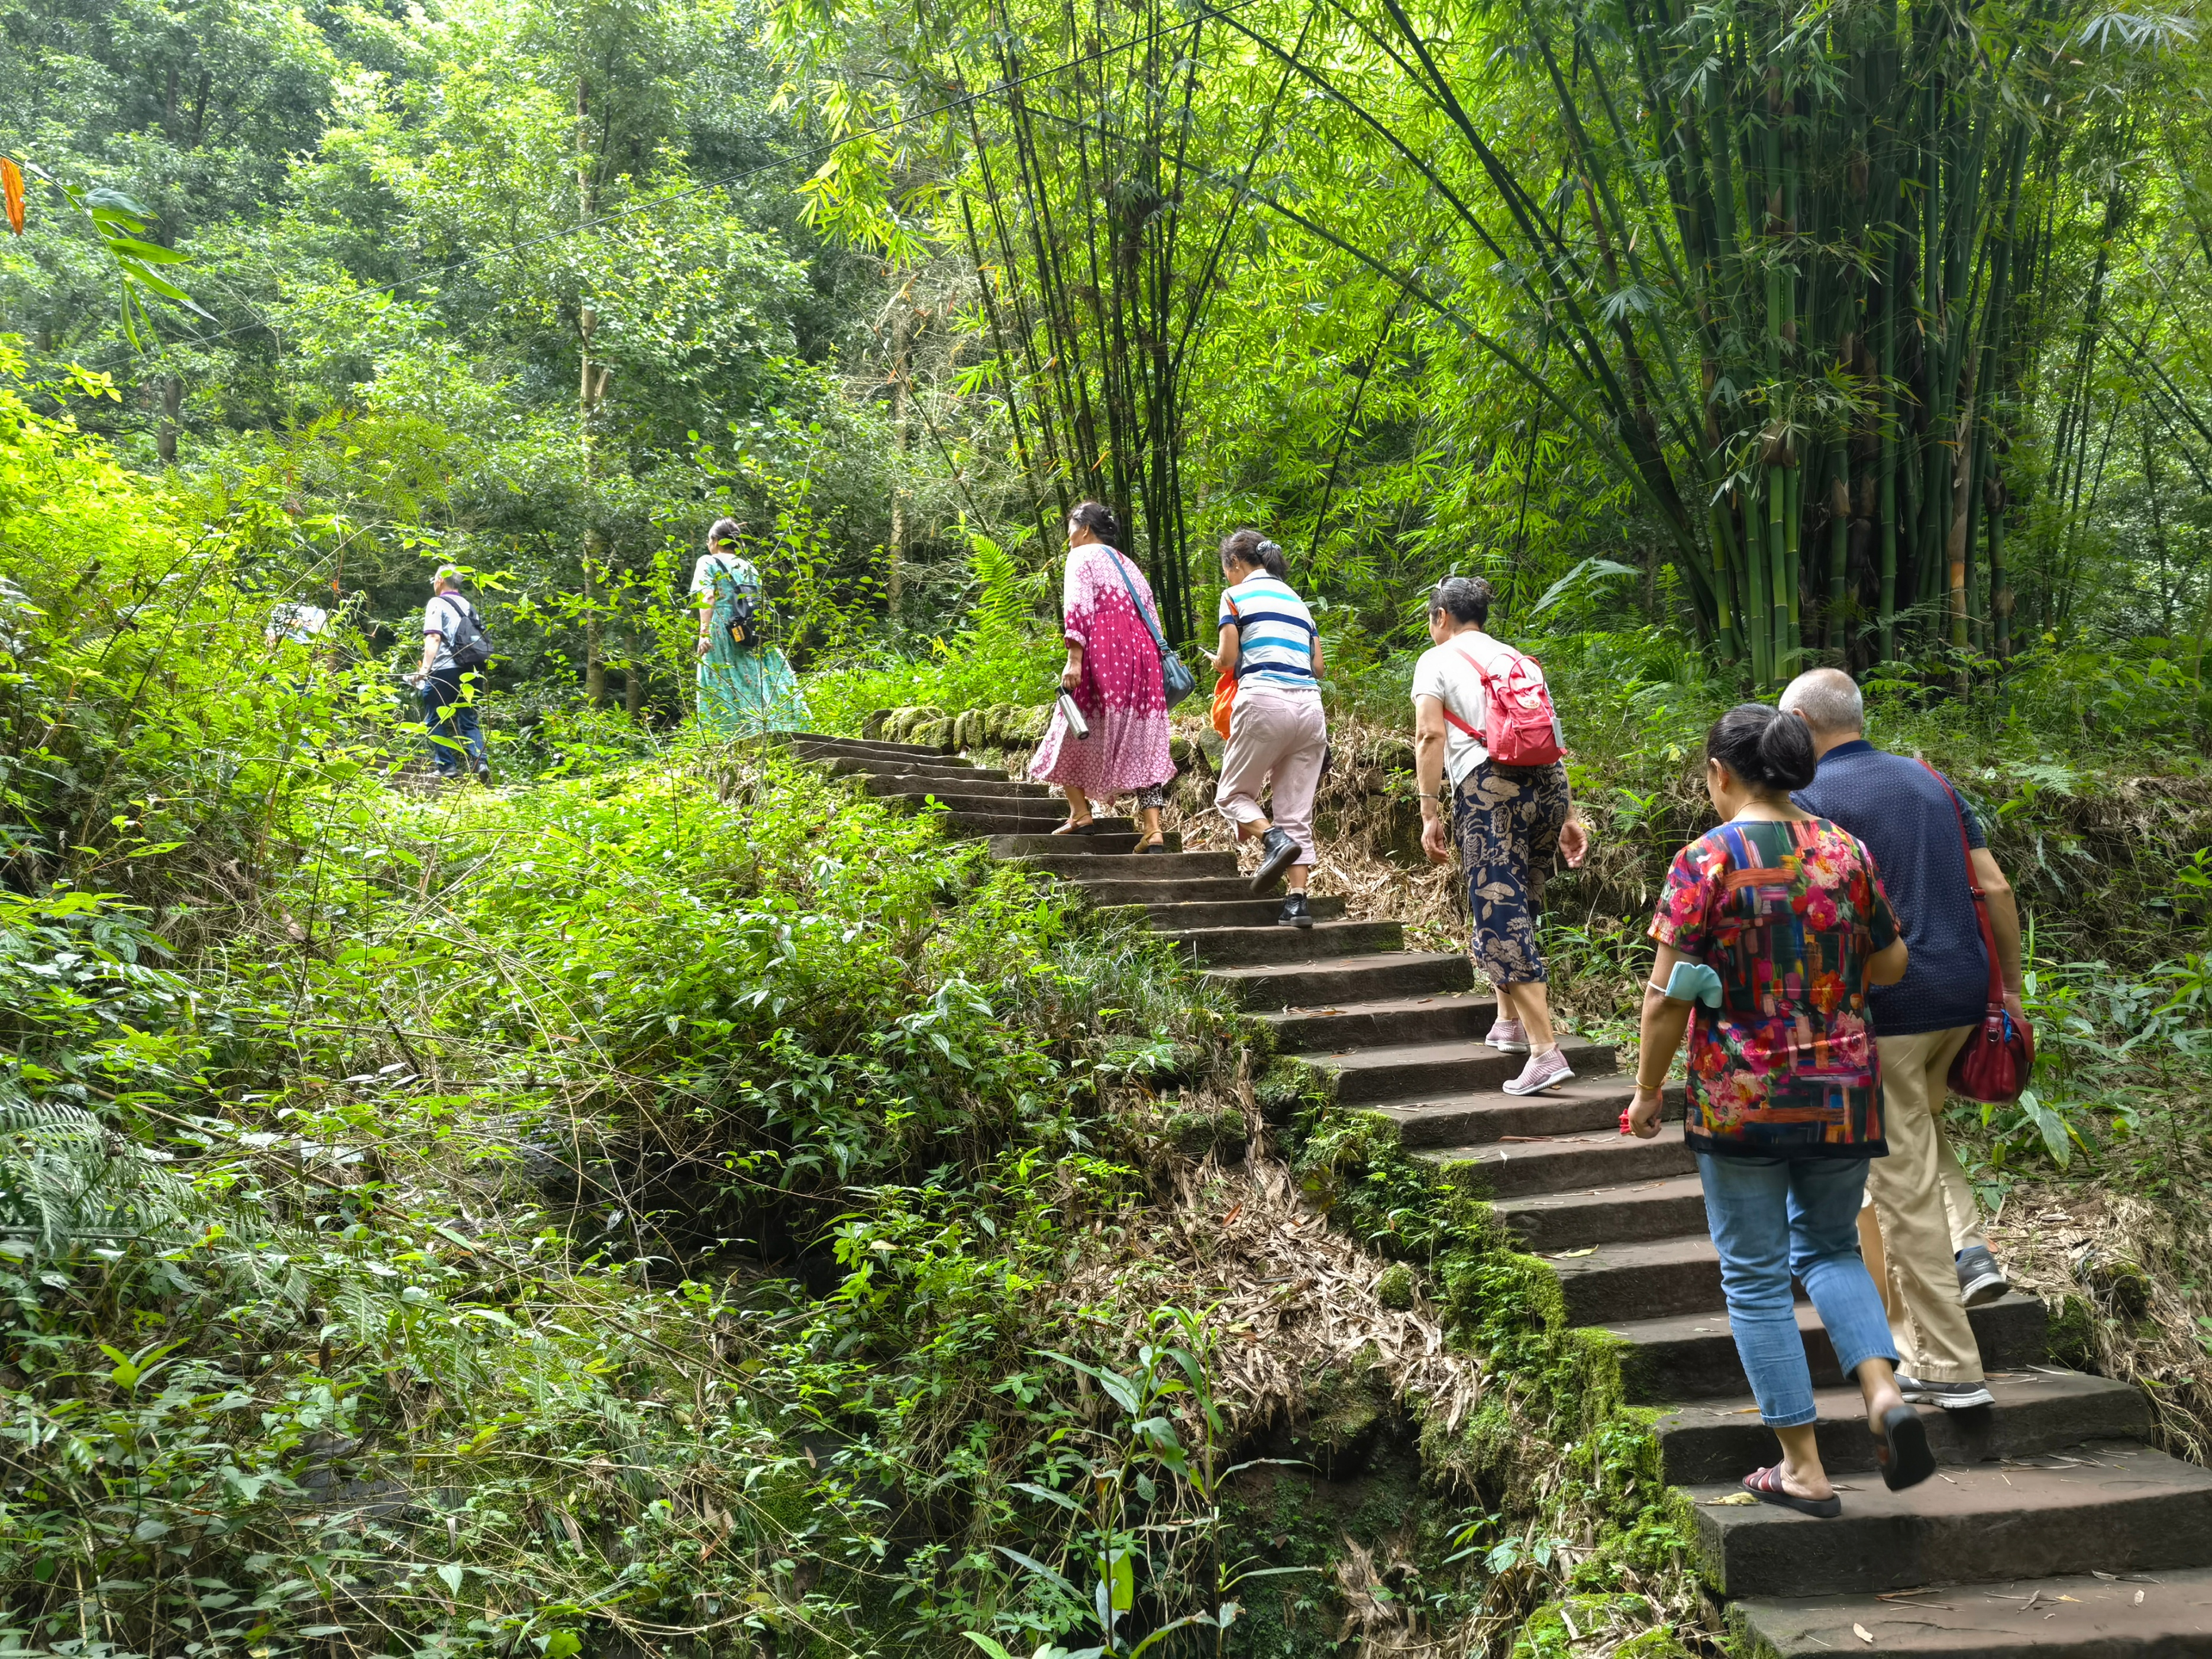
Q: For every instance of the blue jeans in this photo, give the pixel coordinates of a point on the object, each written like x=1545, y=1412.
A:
x=1774, y=1216
x=447, y=713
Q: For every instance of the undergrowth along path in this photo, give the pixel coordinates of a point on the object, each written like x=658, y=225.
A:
x=2052, y=1529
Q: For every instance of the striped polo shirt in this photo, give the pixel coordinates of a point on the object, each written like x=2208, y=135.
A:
x=1274, y=634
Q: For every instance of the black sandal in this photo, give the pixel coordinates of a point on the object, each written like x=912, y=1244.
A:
x=1156, y=845
x=1766, y=1485
x=1902, y=1449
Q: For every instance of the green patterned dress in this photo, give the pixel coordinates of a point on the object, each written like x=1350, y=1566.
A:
x=743, y=689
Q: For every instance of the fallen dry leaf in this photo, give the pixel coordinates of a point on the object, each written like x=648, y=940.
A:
x=1731, y=1501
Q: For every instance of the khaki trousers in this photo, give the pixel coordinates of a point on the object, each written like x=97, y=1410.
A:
x=1926, y=1209
x=1276, y=742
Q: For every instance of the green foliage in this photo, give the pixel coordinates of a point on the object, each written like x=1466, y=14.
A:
x=999, y=657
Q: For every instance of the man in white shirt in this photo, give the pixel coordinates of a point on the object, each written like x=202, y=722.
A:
x=1506, y=820
x=449, y=709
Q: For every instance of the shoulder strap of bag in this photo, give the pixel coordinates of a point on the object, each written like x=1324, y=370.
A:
x=1981, y=899
x=1150, y=626
x=1483, y=674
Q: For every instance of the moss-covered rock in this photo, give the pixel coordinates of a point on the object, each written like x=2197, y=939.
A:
x=2071, y=1333
x=871, y=727
x=1194, y=1135
x=1398, y=1287
x=1288, y=1084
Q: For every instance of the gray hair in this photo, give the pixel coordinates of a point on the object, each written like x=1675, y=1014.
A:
x=447, y=573
x=1828, y=701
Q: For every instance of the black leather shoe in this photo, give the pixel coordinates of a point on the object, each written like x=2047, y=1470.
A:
x=1294, y=912
x=1278, y=853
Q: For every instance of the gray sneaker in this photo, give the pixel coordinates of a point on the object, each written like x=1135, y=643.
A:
x=1980, y=1279
x=1951, y=1396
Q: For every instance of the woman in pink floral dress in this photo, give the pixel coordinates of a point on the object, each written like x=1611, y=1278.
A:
x=1113, y=674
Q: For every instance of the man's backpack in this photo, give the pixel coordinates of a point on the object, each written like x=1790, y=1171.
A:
x=1522, y=728
x=470, y=646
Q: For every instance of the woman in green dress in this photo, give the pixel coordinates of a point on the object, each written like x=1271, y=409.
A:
x=745, y=684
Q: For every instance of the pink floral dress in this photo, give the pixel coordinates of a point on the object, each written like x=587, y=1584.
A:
x=1787, y=914
x=1120, y=695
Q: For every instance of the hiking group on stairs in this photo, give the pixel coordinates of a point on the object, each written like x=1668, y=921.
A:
x=1836, y=951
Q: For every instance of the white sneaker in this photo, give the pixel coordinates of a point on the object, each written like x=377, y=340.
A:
x=1507, y=1036
x=1542, y=1072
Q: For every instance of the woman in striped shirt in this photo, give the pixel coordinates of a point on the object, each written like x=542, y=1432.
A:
x=1276, y=727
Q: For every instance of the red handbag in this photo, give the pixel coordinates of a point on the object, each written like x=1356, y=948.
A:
x=2000, y=1055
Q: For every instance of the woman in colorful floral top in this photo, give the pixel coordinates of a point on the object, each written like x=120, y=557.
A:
x=1777, y=922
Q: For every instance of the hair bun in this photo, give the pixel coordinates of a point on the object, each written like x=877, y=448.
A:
x=1785, y=753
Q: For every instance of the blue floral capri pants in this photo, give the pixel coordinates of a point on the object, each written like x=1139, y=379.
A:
x=1507, y=821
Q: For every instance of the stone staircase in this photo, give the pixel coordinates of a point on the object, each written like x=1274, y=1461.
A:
x=2051, y=1529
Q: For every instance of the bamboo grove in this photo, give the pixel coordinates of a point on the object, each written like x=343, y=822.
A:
x=1788, y=277
x=1791, y=271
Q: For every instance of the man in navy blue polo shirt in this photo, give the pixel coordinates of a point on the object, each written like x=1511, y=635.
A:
x=1936, y=1261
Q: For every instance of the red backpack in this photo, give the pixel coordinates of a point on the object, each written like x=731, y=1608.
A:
x=1523, y=728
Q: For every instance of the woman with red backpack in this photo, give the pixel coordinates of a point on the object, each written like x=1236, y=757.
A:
x=1483, y=717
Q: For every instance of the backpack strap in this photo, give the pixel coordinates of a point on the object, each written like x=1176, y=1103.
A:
x=1481, y=673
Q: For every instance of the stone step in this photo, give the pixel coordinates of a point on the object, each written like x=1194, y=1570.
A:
x=957, y=786
x=1440, y=1017
x=1645, y=1280
x=1127, y=885
x=1622, y=1214
x=1410, y=1073
x=1158, y=870
x=1484, y=1117
x=1048, y=853
x=816, y=745
x=1242, y=947
x=1684, y=1357
x=1297, y=986
x=2167, y=1615
x=1233, y=912
x=1565, y=1163
x=2038, y=1409
x=1043, y=815
x=1113, y=835
x=849, y=766
x=2106, y=1506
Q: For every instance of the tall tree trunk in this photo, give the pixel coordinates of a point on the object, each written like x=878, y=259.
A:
x=165, y=434
x=902, y=345
x=591, y=387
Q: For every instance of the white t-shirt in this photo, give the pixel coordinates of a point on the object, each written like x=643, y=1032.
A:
x=296, y=622
x=442, y=616
x=1444, y=673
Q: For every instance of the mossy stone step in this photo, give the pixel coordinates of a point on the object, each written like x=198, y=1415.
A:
x=1238, y=946
x=1664, y=1208
x=1091, y=872
x=1439, y=1017
x=1012, y=840
x=1678, y=1358
x=2109, y=1506
x=2167, y=1615
x=2038, y=1409
x=1603, y=1157
x=1406, y=1072
x=1322, y=983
